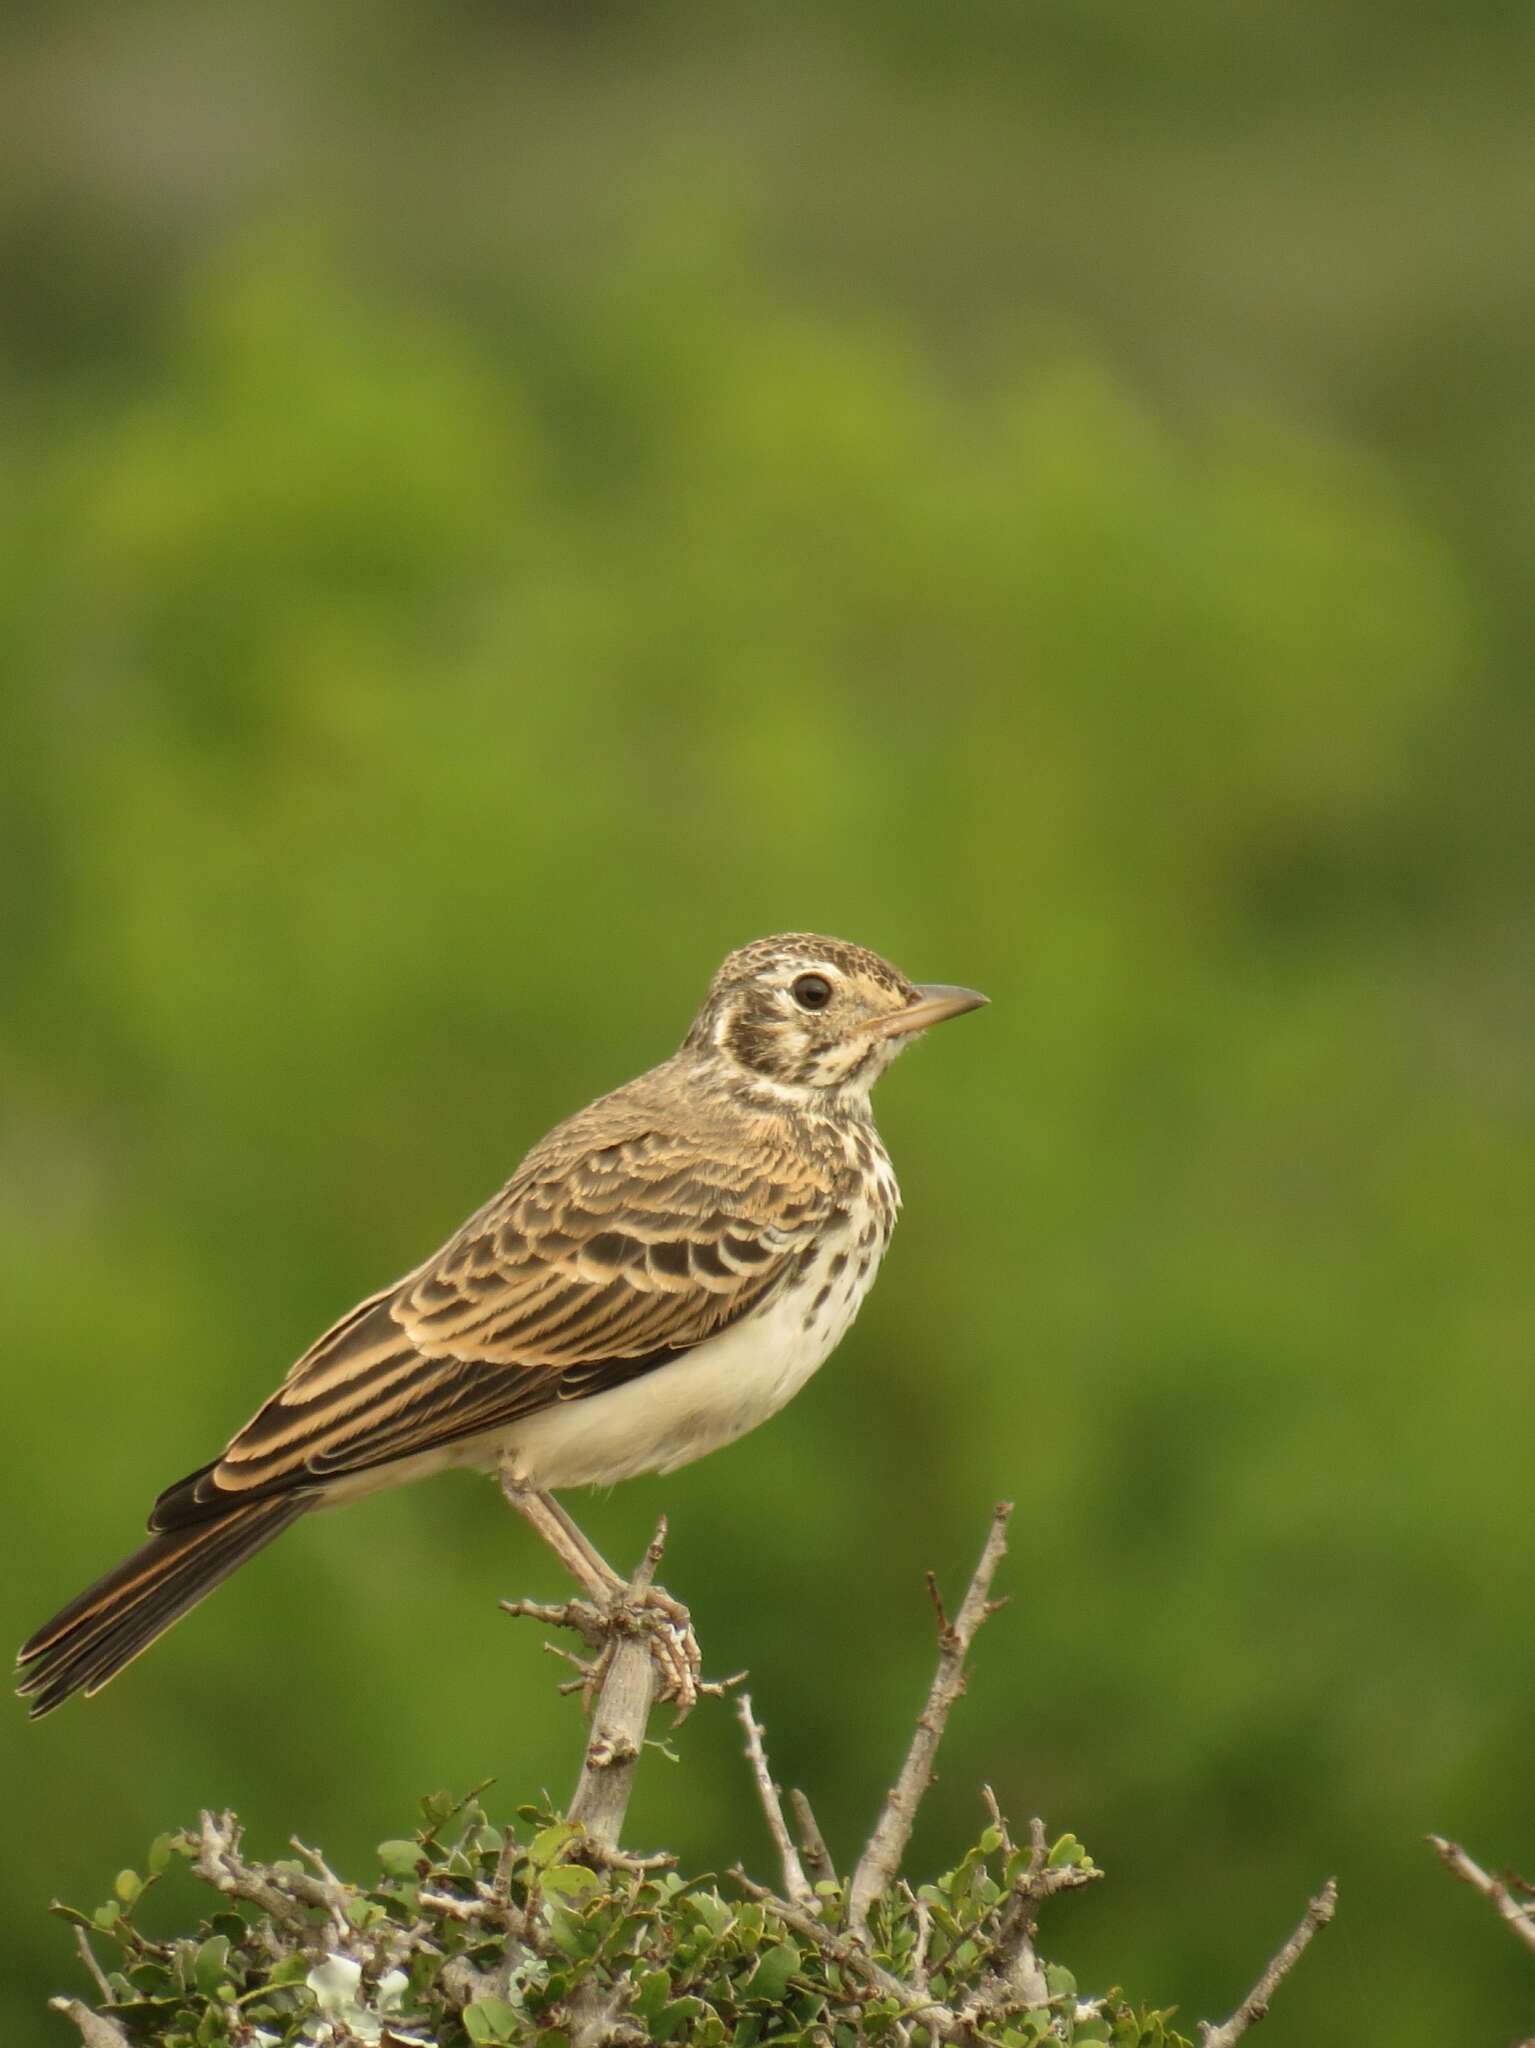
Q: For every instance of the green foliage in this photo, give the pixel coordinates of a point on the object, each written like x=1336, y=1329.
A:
x=489, y=1935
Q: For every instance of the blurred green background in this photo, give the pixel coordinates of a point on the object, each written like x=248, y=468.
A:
x=499, y=506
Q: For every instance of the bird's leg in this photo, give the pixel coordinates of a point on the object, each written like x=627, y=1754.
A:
x=580, y=1542
x=664, y=1619
x=581, y=1558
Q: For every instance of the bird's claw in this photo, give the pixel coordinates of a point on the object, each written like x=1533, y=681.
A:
x=673, y=1647
x=652, y=1613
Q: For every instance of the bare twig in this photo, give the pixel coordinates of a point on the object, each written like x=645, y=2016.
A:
x=220, y=1864
x=449, y=1906
x=585, y=1850
x=1256, y=2004
x=1454, y=1858
x=98, y=1974
x=501, y=1883
x=922, y=1921
x=812, y=1842
x=334, y=1888
x=325, y=1889
x=796, y=1884
x=882, y=1858
x=96, y=2031
x=601, y=1797
x=584, y=1617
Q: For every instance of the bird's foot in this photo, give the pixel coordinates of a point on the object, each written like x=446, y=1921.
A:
x=667, y=1627
x=621, y=1616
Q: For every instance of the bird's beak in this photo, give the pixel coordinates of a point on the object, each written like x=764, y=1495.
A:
x=936, y=1000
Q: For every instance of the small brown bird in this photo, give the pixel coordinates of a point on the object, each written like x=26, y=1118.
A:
x=663, y=1272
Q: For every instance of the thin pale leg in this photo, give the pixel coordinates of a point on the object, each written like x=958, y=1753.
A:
x=580, y=1557
x=582, y=1543
x=671, y=1630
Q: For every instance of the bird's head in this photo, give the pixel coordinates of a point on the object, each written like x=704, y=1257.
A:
x=804, y=1014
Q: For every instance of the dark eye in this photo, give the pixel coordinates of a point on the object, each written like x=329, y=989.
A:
x=811, y=991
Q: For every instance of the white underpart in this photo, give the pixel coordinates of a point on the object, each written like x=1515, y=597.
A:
x=708, y=1396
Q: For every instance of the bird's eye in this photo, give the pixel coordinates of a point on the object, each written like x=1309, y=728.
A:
x=811, y=991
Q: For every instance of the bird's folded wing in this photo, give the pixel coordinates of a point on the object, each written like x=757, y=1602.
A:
x=583, y=1272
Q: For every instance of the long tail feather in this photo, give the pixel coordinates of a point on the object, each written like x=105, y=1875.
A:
x=91, y=1639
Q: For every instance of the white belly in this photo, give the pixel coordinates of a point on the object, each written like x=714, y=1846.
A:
x=706, y=1398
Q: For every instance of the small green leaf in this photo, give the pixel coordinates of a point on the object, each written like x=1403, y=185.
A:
x=671, y=2017
x=770, y=1980
x=654, y=1989
x=161, y=1850
x=108, y=1915
x=213, y=2026
x=436, y=1808
x=1060, y=1980
x=211, y=1966
x=400, y=1858
x=490, y=2019
x=713, y=1912
x=572, y=1937
x=127, y=1884
x=548, y=1843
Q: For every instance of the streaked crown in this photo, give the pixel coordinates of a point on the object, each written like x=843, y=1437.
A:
x=804, y=1011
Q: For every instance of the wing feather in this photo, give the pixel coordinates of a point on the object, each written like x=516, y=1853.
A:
x=599, y=1260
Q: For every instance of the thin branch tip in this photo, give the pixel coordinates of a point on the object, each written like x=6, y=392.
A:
x=1255, y=2005
x=881, y=1859
x=797, y=1886
x=1498, y=1891
x=817, y=1856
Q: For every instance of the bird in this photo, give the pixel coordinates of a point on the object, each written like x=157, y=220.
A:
x=663, y=1271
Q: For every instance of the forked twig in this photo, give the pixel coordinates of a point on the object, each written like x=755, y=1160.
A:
x=881, y=1859
x=1015, y=1976
x=796, y=1885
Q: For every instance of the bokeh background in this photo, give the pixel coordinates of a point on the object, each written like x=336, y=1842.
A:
x=500, y=505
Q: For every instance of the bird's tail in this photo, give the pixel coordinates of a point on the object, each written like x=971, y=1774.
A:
x=91, y=1639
